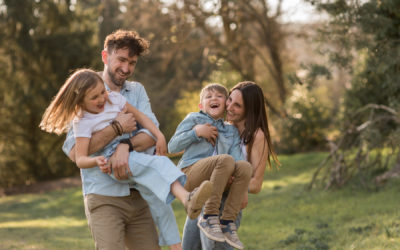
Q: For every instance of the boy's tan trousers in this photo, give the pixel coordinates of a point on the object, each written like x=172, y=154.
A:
x=219, y=169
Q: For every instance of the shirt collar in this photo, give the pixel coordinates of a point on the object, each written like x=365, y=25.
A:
x=124, y=88
x=219, y=121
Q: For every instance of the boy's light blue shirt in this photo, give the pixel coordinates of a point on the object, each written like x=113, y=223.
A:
x=93, y=180
x=197, y=148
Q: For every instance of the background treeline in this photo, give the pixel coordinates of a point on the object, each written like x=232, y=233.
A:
x=335, y=80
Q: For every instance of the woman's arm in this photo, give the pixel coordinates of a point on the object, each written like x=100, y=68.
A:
x=146, y=122
x=258, y=159
x=82, y=158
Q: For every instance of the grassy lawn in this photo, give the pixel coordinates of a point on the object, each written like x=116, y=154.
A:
x=282, y=216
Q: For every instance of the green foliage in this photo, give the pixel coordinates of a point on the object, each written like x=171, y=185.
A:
x=367, y=37
x=307, y=124
x=282, y=216
x=42, y=41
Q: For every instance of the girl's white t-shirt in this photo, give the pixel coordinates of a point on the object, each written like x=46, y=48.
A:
x=88, y=123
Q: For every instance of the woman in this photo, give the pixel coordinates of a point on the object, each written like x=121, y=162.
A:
x=246, y=110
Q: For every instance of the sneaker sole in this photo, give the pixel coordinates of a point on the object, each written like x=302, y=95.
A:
x=233, y=244
x=211, y=237
x=201, y=196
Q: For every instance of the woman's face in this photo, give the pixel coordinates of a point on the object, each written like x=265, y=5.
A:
x=235, y=108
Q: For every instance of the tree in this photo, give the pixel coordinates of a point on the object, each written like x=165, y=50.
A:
x=41, y=41
x=178, y=60
x=248, y=36
x=367, y=36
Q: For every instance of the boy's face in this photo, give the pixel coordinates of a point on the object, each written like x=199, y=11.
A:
x=213, y=103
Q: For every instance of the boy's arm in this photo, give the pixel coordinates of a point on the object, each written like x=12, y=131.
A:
x=184, y=136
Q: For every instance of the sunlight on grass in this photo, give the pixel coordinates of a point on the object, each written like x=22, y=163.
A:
x=56, y=222
x=282, y=216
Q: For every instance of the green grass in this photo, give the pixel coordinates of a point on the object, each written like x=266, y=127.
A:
x=282, y=216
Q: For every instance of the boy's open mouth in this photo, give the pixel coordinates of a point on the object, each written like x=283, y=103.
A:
x=215, y=105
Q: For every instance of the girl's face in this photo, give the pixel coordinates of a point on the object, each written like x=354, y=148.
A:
x=95, y=99
x=235, y=107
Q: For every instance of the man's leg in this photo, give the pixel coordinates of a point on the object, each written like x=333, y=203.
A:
x=106, y=221
x=141, y=232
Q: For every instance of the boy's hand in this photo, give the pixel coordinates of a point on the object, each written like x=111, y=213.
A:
x=161, y=146
x=208, y=132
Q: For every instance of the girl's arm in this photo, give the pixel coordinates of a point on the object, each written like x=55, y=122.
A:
x=82, y=158
x=146, y=122
x=258, y=159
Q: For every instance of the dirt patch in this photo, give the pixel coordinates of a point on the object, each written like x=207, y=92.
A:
x=43, y=187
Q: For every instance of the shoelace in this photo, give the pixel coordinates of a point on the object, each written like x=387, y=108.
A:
x=214, y=225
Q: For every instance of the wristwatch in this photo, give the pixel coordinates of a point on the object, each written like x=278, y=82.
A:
x=127, y=141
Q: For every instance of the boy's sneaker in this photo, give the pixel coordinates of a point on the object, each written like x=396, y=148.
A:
x=211, y=228
x=197, y=198
x=231, y=237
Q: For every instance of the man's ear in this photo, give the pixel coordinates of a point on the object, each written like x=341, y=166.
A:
x=104, y=55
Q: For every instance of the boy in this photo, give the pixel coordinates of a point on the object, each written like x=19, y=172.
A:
x=213, y=155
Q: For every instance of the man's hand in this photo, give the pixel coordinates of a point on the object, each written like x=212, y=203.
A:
x=119, y=162
x=127, y=121
x=208, y=132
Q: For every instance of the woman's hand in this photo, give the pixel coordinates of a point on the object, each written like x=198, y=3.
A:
x=245, y=201
x=208, y=132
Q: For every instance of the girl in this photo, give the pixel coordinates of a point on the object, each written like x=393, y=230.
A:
x=84, y=100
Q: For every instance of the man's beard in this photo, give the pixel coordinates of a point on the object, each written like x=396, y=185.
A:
x=114, y=80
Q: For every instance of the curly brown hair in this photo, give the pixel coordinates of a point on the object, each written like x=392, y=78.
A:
x=120, y=39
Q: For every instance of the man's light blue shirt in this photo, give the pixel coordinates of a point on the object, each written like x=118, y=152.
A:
x=197, y=148
x=93, y=180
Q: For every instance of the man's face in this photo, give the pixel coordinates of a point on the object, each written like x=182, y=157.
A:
x=119, y=65
x=213, y=103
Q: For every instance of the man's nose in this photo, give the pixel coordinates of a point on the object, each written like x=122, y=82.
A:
x=125, y=68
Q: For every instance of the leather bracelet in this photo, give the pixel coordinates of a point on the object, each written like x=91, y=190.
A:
x=127, y=141
x=117, y=127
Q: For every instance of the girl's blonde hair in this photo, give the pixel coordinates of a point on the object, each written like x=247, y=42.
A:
x=68, y=101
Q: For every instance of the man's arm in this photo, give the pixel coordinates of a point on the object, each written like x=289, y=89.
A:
x=101, y=138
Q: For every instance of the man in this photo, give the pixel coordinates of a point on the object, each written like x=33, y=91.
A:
x=117, y=215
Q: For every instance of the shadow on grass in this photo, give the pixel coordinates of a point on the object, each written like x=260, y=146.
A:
x=70, y=237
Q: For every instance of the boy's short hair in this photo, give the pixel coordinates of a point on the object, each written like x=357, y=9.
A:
x=213, y=87
x=121, y=39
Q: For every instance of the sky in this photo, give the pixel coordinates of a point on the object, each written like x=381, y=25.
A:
x=297, y=11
